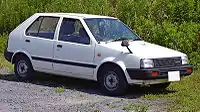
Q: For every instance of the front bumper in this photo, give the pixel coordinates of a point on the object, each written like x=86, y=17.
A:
x=146, y=74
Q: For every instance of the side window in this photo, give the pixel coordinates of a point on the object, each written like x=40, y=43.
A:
x=48, y=27
x=43, y=27
x=73, y=31
x=33, y=29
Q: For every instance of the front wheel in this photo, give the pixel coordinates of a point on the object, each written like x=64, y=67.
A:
x=23, y=69
x=112, y=81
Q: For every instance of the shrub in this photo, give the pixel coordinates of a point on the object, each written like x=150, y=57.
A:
x=157, y=21
x=3, y=41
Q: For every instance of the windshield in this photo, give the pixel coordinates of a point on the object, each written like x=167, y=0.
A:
x=105, y=29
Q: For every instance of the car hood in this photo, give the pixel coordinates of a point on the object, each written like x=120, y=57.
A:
x=144, y=49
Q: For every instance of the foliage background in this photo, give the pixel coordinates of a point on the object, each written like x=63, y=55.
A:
x=157, y=21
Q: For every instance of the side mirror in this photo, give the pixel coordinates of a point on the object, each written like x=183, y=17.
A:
x=125, y=43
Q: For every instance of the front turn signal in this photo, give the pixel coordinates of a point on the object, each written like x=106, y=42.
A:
x=154, y=73
x=189, y=70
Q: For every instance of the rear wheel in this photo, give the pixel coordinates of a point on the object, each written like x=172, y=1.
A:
x=23, y=69
x=112, y=81
x=160, y=86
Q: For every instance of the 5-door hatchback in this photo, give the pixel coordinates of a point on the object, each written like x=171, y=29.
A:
x=92, y=47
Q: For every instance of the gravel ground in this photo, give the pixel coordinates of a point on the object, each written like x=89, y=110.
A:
x=79, y=96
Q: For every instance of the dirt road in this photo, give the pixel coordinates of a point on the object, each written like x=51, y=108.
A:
x=78, y=95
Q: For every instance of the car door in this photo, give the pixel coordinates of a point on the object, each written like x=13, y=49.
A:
x=73, y=52
x=39, y=42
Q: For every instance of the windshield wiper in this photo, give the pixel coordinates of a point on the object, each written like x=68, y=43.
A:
x=122, y=38
x=135, y=39
x=118, y=39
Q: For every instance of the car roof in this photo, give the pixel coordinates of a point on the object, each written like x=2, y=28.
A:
x=79, y=15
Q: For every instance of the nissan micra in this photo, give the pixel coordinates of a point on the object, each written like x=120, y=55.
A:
x=92, y=47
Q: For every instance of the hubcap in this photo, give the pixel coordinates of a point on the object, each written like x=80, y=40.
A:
x=22, y=68
x=111, y=81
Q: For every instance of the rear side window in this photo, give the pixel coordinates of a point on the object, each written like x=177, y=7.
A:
x=43, y=27
x=33, y=29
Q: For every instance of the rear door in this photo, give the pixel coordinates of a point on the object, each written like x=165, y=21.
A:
x=74, y=52
x=39, y=42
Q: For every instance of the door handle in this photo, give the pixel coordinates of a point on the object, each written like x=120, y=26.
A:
x=60, y=46
x=27, y=40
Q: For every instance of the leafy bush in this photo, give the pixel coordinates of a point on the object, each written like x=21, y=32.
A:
x=3, y=41
x=157, y=21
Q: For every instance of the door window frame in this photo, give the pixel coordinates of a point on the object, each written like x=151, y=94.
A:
x=59, y=27
x=55, y=32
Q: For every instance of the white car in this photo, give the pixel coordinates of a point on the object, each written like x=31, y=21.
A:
x=92, y=47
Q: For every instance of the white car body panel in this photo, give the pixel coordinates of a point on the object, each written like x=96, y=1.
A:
x=45, y=51
x=71, y=52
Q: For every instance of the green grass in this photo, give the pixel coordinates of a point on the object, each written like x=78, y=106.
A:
x=60, y=89
x=184, y=95
x=4, y=63
x=136, y=107
x=3, y=41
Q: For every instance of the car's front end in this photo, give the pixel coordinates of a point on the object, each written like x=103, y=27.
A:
x=157, y=64
x=160, y=70
x=139, y=61
x=145, y=63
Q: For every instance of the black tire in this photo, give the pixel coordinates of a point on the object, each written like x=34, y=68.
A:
x=121, y=84
x=23, y=72
x=160, y=86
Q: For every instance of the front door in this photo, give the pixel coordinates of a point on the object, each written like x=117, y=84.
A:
x=73, y=52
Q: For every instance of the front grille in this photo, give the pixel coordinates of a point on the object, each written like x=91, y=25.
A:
x=167, y=62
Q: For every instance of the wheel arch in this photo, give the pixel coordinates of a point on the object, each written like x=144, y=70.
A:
x=119, y=64
x=17, y=53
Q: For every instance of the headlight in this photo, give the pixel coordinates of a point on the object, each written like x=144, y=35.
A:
x=184, y=60
x=146, y=63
